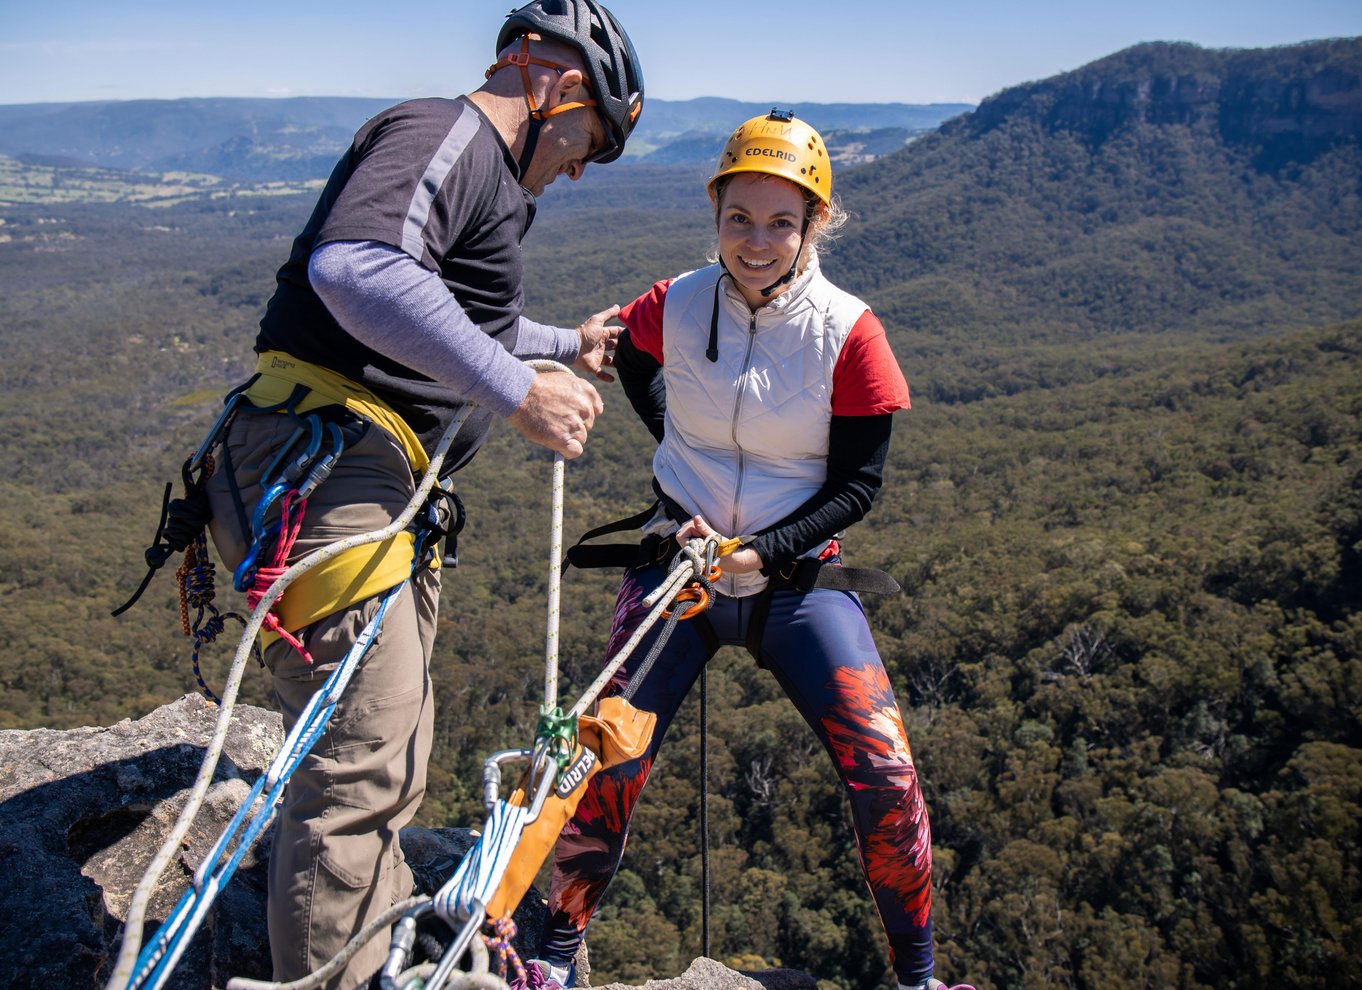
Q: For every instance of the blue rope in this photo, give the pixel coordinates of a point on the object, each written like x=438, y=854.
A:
x=160, y=955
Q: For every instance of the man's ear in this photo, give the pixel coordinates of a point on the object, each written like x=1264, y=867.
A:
x=569, y=87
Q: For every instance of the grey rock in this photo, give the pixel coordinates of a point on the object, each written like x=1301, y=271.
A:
x=707, y=974
x=83, y=811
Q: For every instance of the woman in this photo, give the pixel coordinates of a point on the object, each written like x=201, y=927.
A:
x=771, y=393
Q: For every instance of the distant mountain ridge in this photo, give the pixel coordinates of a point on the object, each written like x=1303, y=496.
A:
x=300, y=138
x=1108, y=199
x=1289, y=104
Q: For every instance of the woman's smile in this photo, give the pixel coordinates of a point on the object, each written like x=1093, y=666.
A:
x=761, y=230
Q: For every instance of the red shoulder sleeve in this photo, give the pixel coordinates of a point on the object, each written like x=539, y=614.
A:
x=643, y=317
x=867, y=380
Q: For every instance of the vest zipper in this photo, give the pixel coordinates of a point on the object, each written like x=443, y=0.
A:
x=737, y=409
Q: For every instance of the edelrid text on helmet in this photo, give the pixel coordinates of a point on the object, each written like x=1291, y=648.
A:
x=771, y=153
x=778, y=144
x=608, y=58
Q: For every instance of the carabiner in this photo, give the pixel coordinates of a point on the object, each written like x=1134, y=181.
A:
x=215, y=434
x=491, y=773
x=321, y=468
x=244, y=574
x=295, y=471
x=696, y=594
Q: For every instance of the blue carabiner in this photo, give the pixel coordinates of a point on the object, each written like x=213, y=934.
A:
x=244, y=575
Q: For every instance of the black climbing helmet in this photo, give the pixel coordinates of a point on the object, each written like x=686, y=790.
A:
x=608, y=57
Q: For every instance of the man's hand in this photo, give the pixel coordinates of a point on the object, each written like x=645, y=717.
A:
x=558, y=412
x=598, y=344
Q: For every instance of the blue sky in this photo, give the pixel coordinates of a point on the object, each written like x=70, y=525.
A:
x=791, y=51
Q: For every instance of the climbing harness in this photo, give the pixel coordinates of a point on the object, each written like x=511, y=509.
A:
x=150, y=966
x=803, y=574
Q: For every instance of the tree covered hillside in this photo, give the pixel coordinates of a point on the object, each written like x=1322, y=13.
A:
x=1126, y=511
x=1164, y=188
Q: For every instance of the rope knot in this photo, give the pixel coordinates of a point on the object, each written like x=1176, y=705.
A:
x=499, y=944
x=207, y=632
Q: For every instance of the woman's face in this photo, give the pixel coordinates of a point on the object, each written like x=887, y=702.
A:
x=760, y=221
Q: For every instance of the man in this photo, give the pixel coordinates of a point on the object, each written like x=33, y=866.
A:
x=400, y=304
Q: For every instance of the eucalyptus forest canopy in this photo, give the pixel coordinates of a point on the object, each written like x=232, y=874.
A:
x=1126, y=511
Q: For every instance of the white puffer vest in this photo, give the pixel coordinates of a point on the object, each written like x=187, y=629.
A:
x=746, y=438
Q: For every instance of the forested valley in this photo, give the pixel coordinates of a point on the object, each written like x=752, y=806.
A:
x=1126, y=512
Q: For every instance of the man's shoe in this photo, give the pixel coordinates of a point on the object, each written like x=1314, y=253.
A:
x=934, y=984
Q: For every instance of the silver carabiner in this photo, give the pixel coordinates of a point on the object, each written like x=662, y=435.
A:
x=210, y=441
x=491, y=773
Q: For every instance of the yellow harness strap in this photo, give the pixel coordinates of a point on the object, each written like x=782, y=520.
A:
x=345, y=579
x=280, y=372
x=616, y=733
x=360, y=572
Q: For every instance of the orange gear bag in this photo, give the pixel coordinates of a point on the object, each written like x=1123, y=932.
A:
x=617, y=733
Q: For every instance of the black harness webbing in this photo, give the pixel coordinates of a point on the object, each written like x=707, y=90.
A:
x=802, y=575
x=805, y=574
x=650, y=550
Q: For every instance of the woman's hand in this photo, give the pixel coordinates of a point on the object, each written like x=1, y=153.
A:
x=598, y=343
x=744, y=560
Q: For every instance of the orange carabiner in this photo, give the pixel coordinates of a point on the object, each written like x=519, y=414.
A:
x=696, y=594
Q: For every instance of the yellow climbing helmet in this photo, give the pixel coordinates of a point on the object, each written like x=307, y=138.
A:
x=778, y=144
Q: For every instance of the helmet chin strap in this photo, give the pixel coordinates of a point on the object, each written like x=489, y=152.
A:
x=536, y=123
x=788, y=276
x=523, y=59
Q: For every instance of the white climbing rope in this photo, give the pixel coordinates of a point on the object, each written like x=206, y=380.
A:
x=555, y=584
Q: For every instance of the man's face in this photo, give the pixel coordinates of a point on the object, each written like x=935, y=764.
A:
x=566, y=143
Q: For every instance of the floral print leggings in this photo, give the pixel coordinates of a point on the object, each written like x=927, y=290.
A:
x=819, y=647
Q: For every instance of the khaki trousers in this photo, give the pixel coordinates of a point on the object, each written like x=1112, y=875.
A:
x=336, y=862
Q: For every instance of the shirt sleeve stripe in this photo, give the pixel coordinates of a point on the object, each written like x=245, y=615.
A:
x=418, y=210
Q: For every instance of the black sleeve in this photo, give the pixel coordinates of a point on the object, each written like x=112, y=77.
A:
x=857, y=449
x=641, y=378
